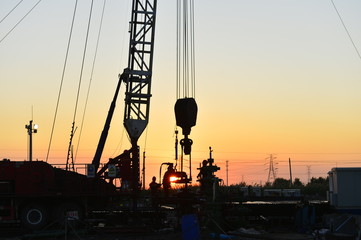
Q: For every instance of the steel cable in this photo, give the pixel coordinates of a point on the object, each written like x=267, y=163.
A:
x=62, y=80
x=185, y=49
x=20, y=20
x=178, y=51
x=190, y=22
x=344, y=26
x=80, y=80
x=11, y=11
x=91, y=78
x=83, y=62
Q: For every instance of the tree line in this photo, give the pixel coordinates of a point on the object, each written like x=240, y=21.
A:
x=316, y=188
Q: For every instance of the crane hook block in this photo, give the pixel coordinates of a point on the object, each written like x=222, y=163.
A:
x=186, y=144
x=186, y=114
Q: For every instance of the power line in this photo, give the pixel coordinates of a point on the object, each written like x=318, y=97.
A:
x=91, y=79
x=62, y=79
x=344, y=26
x=80, y=80
x=11, y=11
x=20, y=20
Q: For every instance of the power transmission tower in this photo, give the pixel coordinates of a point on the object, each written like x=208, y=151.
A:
x=271, y=168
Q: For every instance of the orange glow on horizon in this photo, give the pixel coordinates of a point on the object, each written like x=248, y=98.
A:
x=274, y=90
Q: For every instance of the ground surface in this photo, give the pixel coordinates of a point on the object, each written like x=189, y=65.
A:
x=166, y=235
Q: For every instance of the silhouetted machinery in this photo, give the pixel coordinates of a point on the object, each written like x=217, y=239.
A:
x=186, y=116
x=206, y=177
x=34, y=192
x=137, y=78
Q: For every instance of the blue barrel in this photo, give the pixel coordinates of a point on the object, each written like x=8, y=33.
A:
x=190, y=227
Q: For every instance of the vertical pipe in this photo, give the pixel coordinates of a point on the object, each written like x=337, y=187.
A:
x=30, y=131
x=289, y=163
x=190, y=166
x=227, y=172
x=176, y=146
x=143, y=170
x=181, y=160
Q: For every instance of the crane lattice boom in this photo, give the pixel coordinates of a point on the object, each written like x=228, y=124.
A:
x=138, y=75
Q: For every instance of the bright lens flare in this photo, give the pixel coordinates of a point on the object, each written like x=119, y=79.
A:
x=173, y=179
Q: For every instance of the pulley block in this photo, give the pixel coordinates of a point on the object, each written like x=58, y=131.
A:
x=186, y=114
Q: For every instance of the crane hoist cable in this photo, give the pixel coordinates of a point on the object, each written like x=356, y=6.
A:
x=186, y=107
x=91, y=78
x=185, y=50
x=79, y=83
x=83, y=61
x=62, y=79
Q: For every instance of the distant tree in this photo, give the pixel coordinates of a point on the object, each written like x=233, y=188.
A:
x=241, y=184
x=297, y=183
x=319, y=180
x=281, y=183
x=317, y=188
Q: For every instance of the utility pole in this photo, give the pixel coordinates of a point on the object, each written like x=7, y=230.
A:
x=227, y=173
x=289, y=164
x=32, y=128
x=308, y=173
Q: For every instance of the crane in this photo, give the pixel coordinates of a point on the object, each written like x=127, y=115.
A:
x=185, y=108
x=137, y=78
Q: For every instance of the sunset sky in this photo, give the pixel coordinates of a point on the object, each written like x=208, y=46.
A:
x=277, y=77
